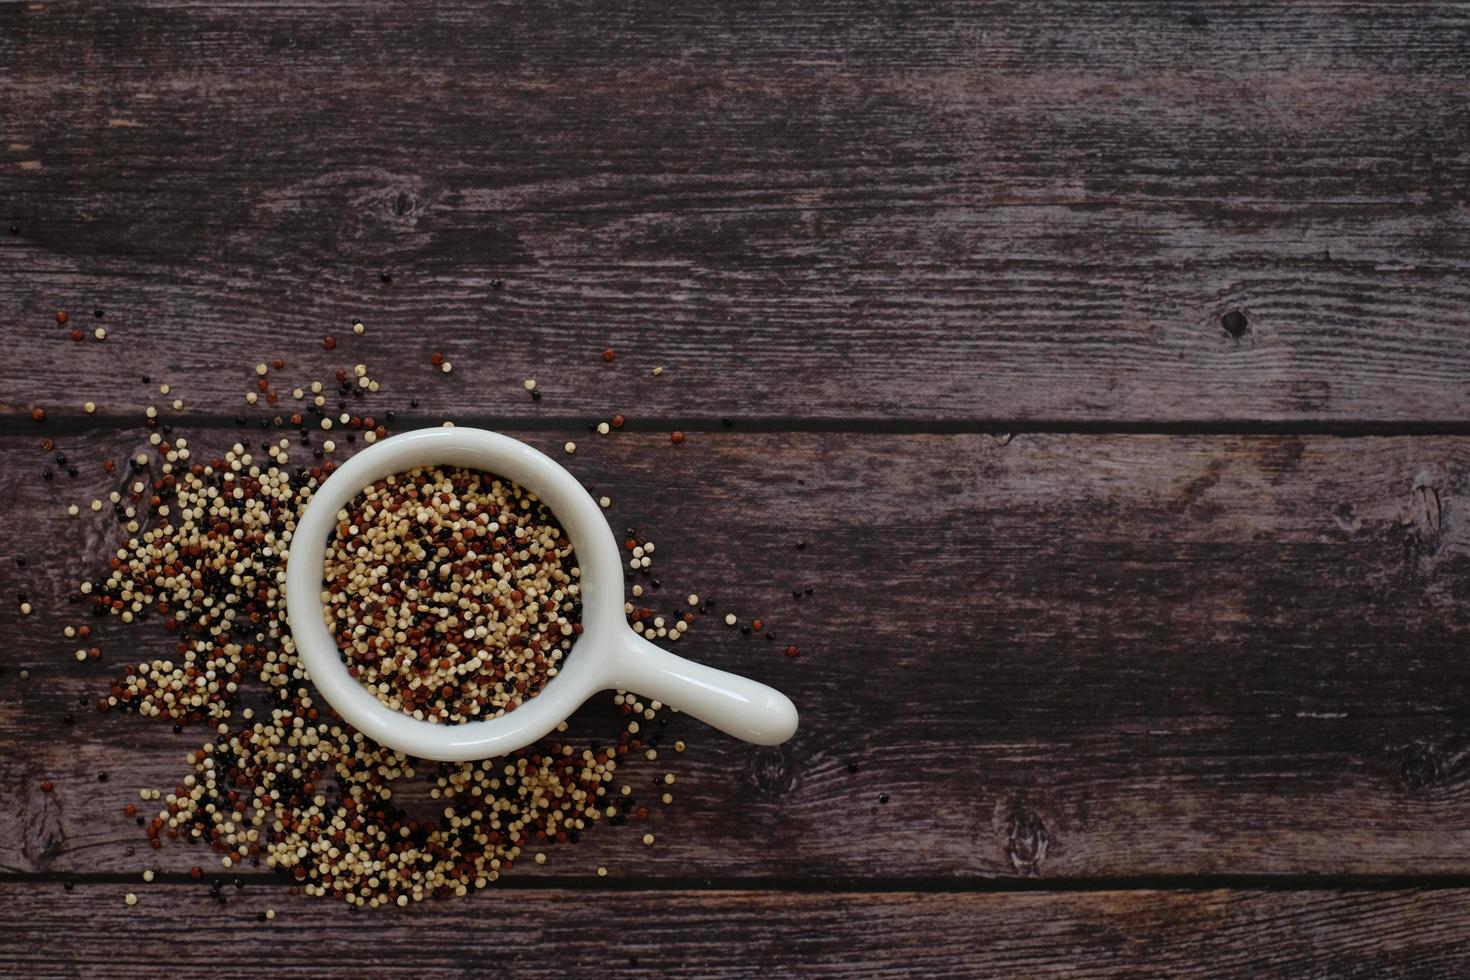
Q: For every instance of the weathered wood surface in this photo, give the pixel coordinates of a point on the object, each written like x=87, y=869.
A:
x=1072, y=662
x=838, y=211
x=743, y=934
x=1067, y=656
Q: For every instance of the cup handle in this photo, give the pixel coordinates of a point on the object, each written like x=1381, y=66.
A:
x=735, y=705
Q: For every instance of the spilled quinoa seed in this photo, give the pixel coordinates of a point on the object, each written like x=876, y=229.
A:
x=282, y=780
x=452, y=593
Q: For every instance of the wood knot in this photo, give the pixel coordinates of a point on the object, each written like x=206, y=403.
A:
x=1430, y=767
x=1426, y=517
x=1022, y=834
x=1346, y=519
x=1235, y=324
x=772, y=771
x=1419, y=769
x=403, y=204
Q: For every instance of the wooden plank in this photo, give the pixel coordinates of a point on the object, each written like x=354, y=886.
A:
x=1057, y=655
x=50, y=933
x=839, y=210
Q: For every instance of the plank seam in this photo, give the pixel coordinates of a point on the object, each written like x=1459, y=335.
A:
x=853, y=884
x=71, y=425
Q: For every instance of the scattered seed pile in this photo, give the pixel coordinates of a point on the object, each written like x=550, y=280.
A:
x=451, y=593
x=282, y=780
x=289, y=782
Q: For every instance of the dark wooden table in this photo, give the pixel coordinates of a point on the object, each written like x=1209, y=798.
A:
x=1111, y=359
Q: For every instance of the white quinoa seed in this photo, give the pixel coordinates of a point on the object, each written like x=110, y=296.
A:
x=570, y=447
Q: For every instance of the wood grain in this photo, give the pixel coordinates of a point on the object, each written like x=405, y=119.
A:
x=739, y=934
x=844, y=212
x=1175, y=633
x=1064, y=656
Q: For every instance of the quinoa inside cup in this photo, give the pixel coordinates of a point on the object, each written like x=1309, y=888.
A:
x=453, y=594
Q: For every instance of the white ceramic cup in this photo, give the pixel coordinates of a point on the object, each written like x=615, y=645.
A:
x=607, y=655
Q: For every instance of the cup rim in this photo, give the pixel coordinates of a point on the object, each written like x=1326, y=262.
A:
x=587, y=666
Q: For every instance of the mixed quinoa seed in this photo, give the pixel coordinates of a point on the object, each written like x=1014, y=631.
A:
x=452, y=593
x=282, y=781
